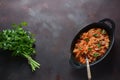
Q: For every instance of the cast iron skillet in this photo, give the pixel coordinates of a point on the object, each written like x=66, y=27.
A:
x=106, y=24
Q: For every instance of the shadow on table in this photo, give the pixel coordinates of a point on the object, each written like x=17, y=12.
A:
x=12, y=68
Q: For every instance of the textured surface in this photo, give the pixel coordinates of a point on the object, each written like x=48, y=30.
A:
x=55, y=23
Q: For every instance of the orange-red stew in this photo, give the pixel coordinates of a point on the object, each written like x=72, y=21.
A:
x=92, y=44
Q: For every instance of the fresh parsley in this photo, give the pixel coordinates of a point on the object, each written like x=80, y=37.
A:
x=103, y=31
x=95, y=35
x=86, y=39
x=20, y=42
x=89, y=49
x=96, y=54
x=98, y=45
x=80, y=48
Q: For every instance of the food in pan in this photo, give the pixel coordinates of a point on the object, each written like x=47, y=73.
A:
x=92, y=44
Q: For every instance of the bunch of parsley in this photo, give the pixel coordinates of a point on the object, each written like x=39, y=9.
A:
x=20, y=42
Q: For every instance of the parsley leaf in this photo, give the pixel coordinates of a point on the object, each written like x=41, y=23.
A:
x=103, y=31
x=98, y=45
x=86, y=39
x=89, y=49
x=95, y=35
x=80, y=48
x=96, y=54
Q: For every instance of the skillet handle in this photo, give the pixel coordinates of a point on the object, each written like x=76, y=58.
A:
x=73, y=63
x=108, y=22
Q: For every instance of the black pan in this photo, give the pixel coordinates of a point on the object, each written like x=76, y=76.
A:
x=106, y=24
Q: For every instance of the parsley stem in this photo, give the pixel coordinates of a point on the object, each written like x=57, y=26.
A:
x=32, y=62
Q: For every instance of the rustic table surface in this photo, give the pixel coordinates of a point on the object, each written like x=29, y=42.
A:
x=55, y=23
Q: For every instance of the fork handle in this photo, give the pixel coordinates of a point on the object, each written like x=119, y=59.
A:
x=88, y=69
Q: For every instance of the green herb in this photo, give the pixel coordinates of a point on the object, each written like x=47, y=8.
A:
x=20, y=42
x=80, y=48
x=95, y=35
x=86, y=39
x=89, y=49
x=103, y=31
x=96, y=54
x=24, y=24
x=98, y=45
